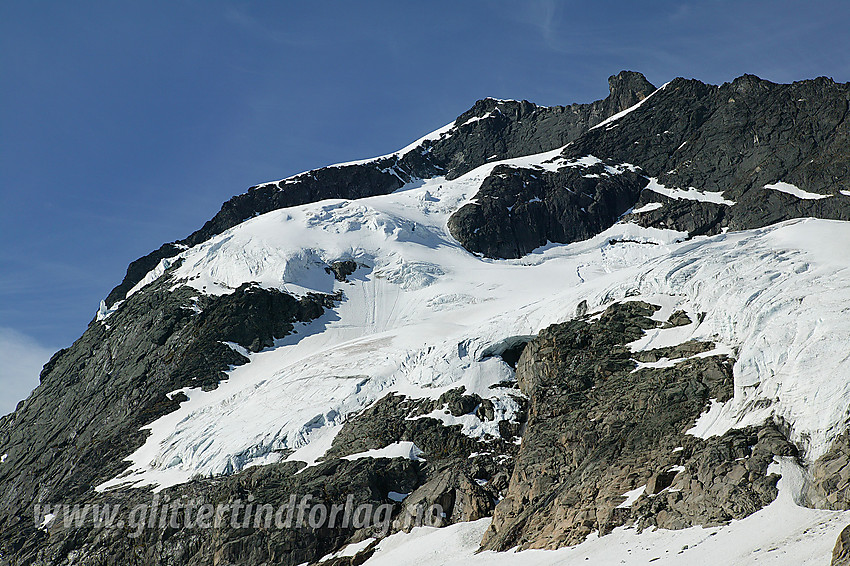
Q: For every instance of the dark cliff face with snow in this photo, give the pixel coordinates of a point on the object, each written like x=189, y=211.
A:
x=549, y=321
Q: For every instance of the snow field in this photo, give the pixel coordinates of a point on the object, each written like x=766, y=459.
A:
x=420, y=313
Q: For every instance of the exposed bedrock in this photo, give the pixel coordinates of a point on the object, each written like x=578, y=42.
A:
x=597, y=430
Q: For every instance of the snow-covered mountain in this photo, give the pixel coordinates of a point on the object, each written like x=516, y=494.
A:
x=614, y=332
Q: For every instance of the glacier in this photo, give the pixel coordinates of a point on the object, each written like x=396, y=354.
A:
x=421, y=311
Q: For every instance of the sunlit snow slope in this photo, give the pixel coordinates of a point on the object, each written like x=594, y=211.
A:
x=420, y=311
x=781, y=534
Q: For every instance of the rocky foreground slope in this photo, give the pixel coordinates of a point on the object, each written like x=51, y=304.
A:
x=554, y=325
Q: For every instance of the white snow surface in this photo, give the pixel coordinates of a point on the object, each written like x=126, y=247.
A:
x=648, y=207
x=104, y=312
x=631, y=497
x=629, y=110
x=780, y=534
x=794, y=190
x=405, y=449
x=688, y=194
x=349, y=550
x=47, y=520
x=419, y=314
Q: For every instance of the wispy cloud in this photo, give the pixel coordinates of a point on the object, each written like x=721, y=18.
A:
x=239, y=17
x=542, y=15
x=21, y=359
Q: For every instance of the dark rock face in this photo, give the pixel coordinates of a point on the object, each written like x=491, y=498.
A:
x=459, y=496
x=398, y=419
x=342, y=269
x=724, y=478
x=596, y=430
x=234, y=541
x=695, y=218
x=464, y=485
x=732, y=139
x=627, y=89
x=735, y=139
x=465, y=476
x=517, y=210
x=514, y=129
x=76, y=429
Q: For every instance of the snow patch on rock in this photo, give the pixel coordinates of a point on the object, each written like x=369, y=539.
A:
x=688, y=194
x=794, y=190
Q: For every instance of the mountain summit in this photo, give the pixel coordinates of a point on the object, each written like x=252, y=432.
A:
x=616, y=331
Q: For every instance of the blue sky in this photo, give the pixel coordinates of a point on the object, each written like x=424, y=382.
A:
x=124, y=125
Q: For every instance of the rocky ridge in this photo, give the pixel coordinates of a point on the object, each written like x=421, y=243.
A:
x=729, y=141
x=492, y=129
x=593, y=428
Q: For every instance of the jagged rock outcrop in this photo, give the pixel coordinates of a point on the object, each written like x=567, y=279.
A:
x=723, y=478
x=342, y=269
x=500, y=129
x=463, y=485
x=731, y=139
x=518, y=210
x=466, y=476
x=395, y=418
x=460, y=497
x=598, y=429
x=829, y=485
x=734, y=137
x=841, y=552
x=285, y=540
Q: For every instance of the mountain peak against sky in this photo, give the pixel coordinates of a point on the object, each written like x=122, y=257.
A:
x=442, y=283
x=132, y=125
x=628, y=88
x=493, y=129
x=499, y=128
x=556, y=323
